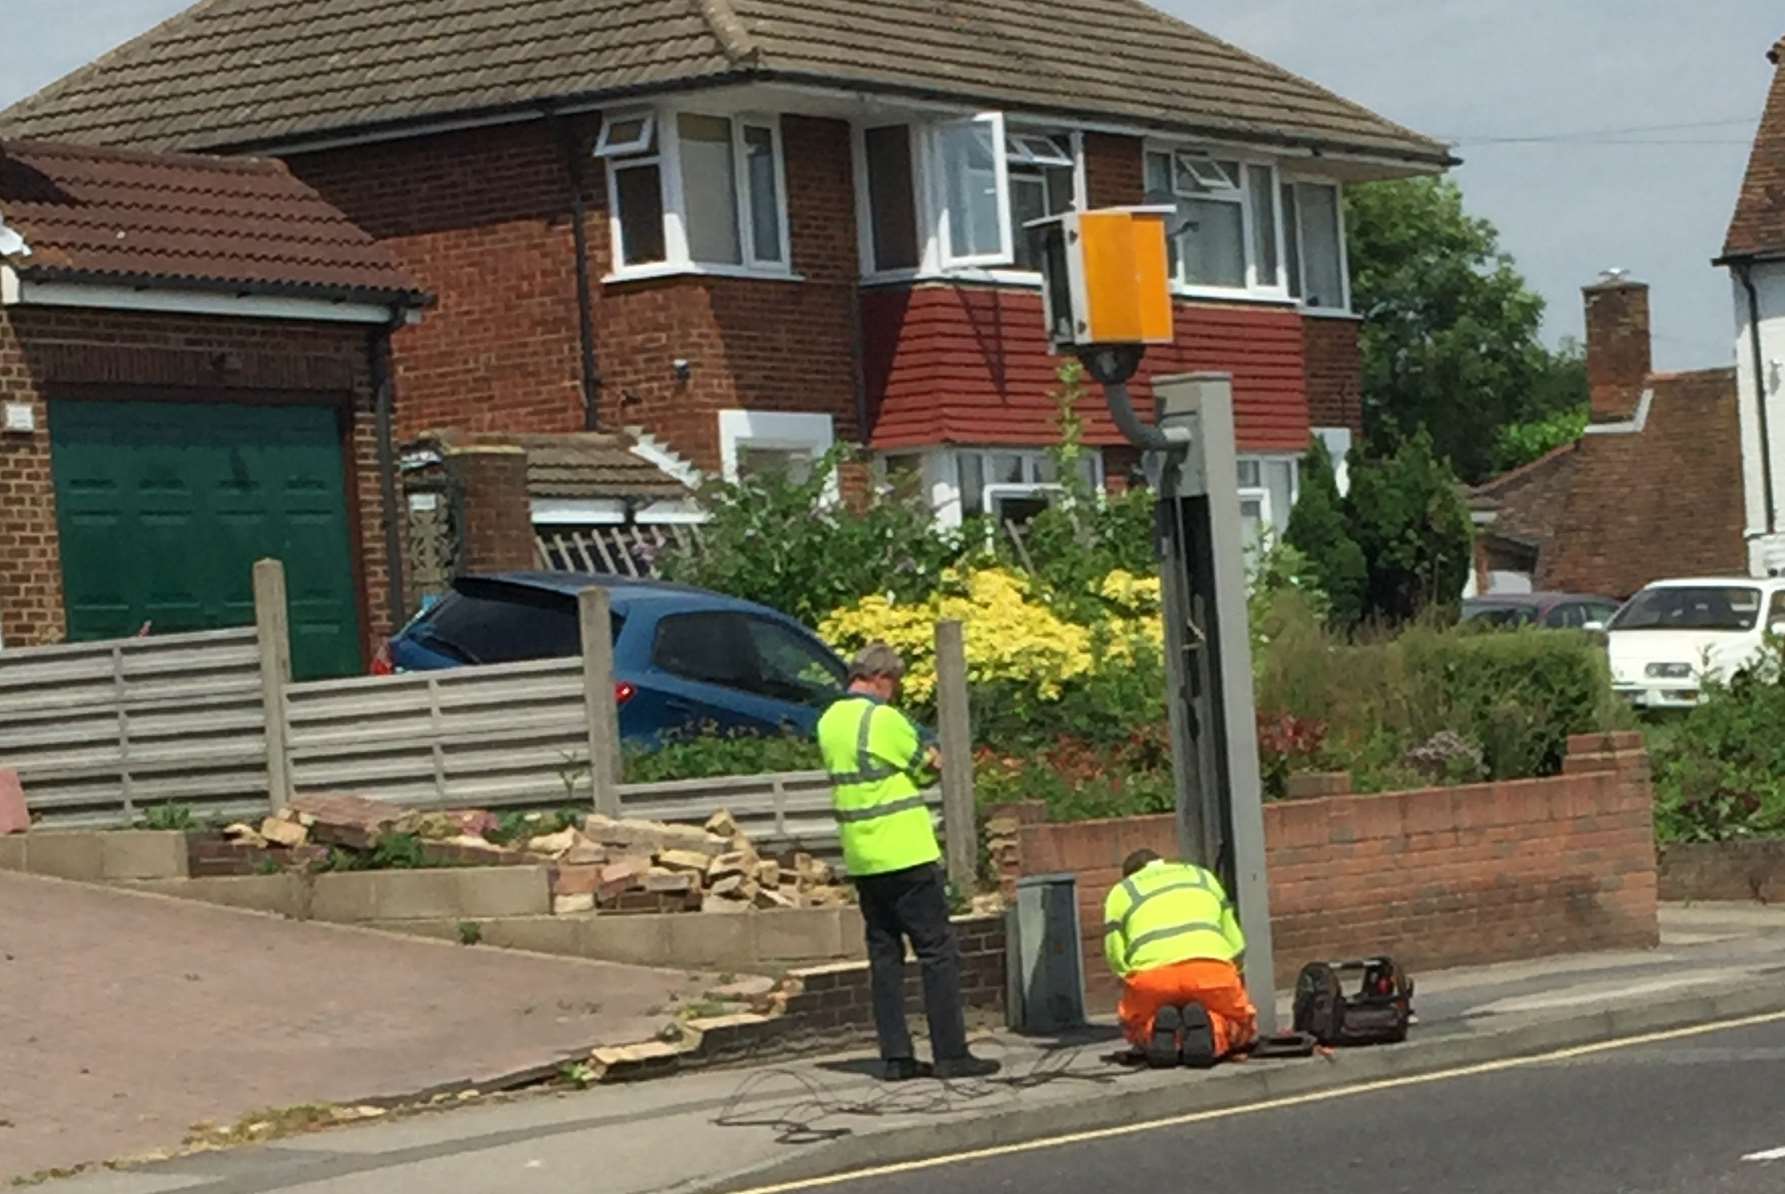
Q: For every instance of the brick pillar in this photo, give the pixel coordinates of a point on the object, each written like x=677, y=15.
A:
x=1618, y=361
x=498, y=530
x=1624, y=825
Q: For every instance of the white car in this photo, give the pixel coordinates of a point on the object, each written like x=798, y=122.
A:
x=1668, y=638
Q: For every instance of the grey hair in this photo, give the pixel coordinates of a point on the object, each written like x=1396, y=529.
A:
x=877, y=661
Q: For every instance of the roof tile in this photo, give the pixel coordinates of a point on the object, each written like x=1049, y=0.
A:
x=235, y=73
x=242, y=223
x=1758, y=226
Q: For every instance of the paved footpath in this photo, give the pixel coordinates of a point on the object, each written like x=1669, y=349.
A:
x=749, y=1128
x=127, y=1017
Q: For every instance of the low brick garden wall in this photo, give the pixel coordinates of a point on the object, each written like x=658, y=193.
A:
x=1436, y=877
x=1741, y=870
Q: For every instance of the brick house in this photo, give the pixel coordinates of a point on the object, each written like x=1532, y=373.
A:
x=751, y=229
x=1650, y=491
x=190, y=350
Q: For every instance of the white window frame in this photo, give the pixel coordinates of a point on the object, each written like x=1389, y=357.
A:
x=780, y=431
x=941, y=224
x=1031, y=485
x=668, y=160
x=606, y=147
x=1262, y=490
x=1190, y=157
x=1287, y=179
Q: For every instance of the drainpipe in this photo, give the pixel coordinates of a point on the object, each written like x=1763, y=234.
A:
x=384, y=386
x=1745, y=271
x=585, y=296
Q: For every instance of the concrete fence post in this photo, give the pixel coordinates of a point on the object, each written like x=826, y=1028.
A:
x=959, y=825
x=273, y=633
x=595, y=621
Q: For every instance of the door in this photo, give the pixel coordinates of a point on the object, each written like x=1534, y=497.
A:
x=163, y=508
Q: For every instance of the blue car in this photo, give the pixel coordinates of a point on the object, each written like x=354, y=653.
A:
x=683, y=657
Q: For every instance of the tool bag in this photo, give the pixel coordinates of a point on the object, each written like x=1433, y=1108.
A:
x=1378, y=1014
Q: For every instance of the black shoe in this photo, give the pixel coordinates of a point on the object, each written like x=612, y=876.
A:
x=904, y=1069
x=1162, y=1049
x=952, y=1068
x=1198, y=1047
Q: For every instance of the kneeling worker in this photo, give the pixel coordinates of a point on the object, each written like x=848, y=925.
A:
x=1170, y=934
x=879, y=764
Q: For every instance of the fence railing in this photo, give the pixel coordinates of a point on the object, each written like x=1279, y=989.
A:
x=630, y=551
x=477, y=736
x=101, y=732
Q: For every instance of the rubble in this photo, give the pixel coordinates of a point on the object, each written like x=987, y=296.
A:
x=597, y=864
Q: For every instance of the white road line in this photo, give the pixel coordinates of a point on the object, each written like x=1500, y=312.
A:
x=1771, y=1154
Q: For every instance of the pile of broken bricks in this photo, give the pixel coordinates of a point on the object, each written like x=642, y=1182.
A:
x=603, y=864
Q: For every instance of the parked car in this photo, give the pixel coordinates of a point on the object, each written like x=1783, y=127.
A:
x=1675, y=633
x=1558, y=611
x=683, y=657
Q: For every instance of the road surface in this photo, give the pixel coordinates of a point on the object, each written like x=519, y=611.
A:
x=1686, y=1113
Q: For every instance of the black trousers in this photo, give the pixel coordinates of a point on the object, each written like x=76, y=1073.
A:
x=912, y=904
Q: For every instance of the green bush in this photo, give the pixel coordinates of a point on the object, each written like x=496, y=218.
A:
x=784, y=543
x=1318, y=530
x=709, y=754
x=1407, y=515
x=1720, y=768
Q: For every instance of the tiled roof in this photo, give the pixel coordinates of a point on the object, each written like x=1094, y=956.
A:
x=241, y=224
x=243, y=73
x=1527, y=501
x=1758, y=226
x=1663, y=501
x=580, y=464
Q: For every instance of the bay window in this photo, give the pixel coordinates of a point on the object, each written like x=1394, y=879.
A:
x=1015, y=484
x=693, y=190
x=1043, y=182
x=1268, y=487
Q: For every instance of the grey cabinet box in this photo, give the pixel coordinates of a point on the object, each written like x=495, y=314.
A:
x=1046, y=970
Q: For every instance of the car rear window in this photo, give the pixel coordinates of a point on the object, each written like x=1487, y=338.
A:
x=492, y=622
x=1691, y=607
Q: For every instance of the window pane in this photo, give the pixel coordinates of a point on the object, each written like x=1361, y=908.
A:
x=1028, y=201
x=1279, y=478
x=892, y=198
x=1021, y=509
x=711, y=648
x=765, y=193
x=640, y=195
x=1320, y=245
x=793, y=667
x=972, y=484
x=1251, y=524
x=970, y=188
x=1215, y=246
x=1158, y=177
x=483, y=622
x=709, y=189
x=1264, y=225
x=793, y=463
x=1249, y=475
x=1060, y=189
x=1292, y=240
x=1004, y=468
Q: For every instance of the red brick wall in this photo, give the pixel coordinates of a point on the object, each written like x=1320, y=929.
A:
x=1618, y=348
x=498, y=534
x=482, y=218
x=1115, y=175
x=1441, y=877
x=1334, y=371
x=67, y=354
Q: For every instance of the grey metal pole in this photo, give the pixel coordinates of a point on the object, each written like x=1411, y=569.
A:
x=1216, y=666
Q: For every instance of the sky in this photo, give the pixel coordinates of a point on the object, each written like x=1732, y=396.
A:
x=1514, y=83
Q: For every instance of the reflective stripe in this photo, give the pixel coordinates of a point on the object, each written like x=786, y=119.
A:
x=1199, y=883
x=868, y=769
x=1200, y=926
x=854, y=816
x=1111, y=926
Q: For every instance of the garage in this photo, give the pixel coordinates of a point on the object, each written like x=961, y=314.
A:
x=163, y=507
x=194, y=376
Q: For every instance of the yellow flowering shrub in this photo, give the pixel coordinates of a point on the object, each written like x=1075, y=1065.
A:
x=1011, y=632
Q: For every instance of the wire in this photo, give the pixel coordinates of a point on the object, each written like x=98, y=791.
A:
x=806, y=1118
x=1587, y=134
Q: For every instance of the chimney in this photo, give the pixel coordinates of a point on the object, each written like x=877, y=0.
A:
x=1618, y=362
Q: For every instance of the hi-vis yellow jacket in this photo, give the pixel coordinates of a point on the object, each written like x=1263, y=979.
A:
x=1166, y=913
x=875, y=758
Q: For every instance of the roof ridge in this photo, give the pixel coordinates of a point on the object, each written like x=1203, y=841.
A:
x=228, y=163
x=730, y=31
x=1487, y=487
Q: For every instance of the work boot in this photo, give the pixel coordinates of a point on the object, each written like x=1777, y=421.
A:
x=1197, y=1046
x=904, y=1069
x=1162, y=1049
x=969, y=1066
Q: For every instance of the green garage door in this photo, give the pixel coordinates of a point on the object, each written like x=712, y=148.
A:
x=164, y=507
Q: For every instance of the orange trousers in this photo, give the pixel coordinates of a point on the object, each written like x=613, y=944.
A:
x=1214, y=985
